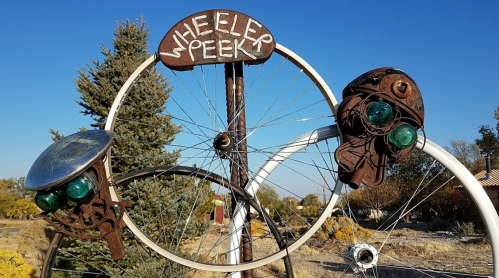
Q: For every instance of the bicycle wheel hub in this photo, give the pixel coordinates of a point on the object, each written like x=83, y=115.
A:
x=224, y=144
x=364, y=255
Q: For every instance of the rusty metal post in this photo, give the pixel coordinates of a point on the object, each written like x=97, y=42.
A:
x=236, y=119
x=241, y=125
x=242, y=152
x=231, y=125
x=113, y=234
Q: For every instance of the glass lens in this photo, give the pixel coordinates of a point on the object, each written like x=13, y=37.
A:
x=78, y=189
x=49, y=201
x=403, y=136
x=379, y=113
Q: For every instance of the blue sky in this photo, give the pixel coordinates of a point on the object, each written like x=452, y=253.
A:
x=451, y=49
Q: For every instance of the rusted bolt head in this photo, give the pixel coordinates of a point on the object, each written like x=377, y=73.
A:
x=401, y=89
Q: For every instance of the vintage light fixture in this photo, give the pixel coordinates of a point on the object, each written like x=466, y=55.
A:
x=403, y=136
x=379, y=113
x=50, y=200
x=82, y=188
x=63, y=172
x=379, y=116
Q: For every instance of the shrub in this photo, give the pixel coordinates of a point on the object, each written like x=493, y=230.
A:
x=334, y=223
x=23, y=208
x=257, y=228
x=292, y=220
x=13, y=265
x=353, y=233
x=302, y=230
x=437, y=224
x=466, y=228
x=343, y=228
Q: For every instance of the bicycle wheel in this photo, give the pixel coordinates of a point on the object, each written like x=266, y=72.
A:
x=285, y=98
x=141, y=262
x=395, y=247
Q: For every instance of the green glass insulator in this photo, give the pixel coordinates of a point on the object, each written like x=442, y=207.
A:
x=403, y=136
x=81, y=188
x=379, y=113
x=49, y=200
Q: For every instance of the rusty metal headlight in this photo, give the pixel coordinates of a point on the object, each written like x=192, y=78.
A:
x=50, y=200
x=82, y=188
x=379, y=113
x=379, y=117
x=403, y=136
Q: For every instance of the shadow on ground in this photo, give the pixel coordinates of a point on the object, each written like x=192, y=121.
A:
x=389, y=272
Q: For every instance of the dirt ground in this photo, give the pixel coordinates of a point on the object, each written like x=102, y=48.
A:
x=434, y=252
x=438, y=254
x=410, y=244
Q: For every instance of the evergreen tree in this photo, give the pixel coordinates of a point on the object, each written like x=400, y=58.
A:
x=134, y=146
x=146, y=101
x=489, y=141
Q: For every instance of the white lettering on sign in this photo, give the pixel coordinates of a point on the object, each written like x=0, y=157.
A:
x=223, y=35
x=223, y=48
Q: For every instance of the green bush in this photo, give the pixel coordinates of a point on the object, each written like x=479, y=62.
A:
x=466, y=228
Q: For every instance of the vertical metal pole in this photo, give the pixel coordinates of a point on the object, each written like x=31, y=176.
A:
x=236, y=119
x=241, y=125
x=242, y=151
x=231, y=126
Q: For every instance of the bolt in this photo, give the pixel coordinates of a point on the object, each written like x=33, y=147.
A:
x=401, y=89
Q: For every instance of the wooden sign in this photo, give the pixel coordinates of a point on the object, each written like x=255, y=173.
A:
x=215, y=36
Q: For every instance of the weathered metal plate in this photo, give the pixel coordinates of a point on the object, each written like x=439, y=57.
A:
x=67, y=158
x=215, y=36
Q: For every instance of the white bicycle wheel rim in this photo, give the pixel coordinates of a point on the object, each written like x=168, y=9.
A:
x=113, y=114
x=470, y=183
x=474, y=189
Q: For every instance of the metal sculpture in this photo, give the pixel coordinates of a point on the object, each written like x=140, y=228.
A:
x=379, y=117
x=73, y=190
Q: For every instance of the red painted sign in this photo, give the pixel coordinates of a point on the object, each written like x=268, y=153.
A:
x=215, y=36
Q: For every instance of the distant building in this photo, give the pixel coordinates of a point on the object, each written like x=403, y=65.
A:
x=490, y=183
x=218, y=212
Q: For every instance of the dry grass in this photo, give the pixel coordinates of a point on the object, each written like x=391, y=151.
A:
x=405, y=244
x=416, y=249
x=257, y=227
x=304, y=273
x=307, y=251
x=277, y=266
x=31, y=240
x=404, y=232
